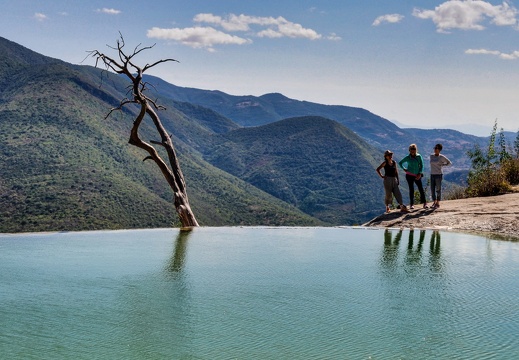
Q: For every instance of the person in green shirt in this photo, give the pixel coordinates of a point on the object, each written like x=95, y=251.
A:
x=413, y=174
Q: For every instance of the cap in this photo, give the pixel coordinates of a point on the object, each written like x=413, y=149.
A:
x=388, y=152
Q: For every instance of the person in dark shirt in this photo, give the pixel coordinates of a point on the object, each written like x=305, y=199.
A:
x=391, y=181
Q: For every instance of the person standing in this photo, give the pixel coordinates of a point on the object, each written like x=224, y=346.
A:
x=391, y=181
x=438, y=161
x=413, y=174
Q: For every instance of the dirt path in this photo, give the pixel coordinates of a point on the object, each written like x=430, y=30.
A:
x=491, y=215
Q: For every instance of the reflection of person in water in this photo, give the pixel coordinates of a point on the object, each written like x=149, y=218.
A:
x=390, y=253
x=413, y=255
x=434, y=252
x=411, y=240
x=435, y=243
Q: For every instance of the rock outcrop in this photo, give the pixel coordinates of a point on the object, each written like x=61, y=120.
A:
x=497, y=215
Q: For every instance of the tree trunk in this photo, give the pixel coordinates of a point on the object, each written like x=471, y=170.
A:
x=172, y=173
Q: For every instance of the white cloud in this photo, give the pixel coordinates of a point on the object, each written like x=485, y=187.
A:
x=109, y=11
x=276, y=27
x=40, y=16
x=197, y=37
x=233, y=23
x=207, y=37
x=468, y=15
x=291, y=30
x=510, y=56
x=269, y=33
x=389, y=18
x=334, y=37
x=482, y=52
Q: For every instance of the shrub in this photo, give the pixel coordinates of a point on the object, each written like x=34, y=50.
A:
x=455, y=192
x=510, y=169
x=492, y=171
x=487, y=182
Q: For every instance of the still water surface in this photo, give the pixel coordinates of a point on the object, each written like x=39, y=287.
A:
x=258, y=293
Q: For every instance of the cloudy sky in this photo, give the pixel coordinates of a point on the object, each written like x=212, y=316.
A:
x=420, y=63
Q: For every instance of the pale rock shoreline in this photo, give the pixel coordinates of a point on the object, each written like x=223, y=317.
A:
x=492, y=215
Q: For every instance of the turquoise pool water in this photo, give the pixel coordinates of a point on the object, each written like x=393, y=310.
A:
x=258, y=293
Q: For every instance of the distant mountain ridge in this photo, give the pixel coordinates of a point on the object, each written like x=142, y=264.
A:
x=255, y=111
x=266, y=160
x=381, y=133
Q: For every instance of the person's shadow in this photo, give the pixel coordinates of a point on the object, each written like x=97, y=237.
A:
x=398, y=216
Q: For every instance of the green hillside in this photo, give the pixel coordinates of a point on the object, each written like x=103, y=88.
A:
x=313, y=163
x=377, y=131
x=266, y=160
x=64, y=167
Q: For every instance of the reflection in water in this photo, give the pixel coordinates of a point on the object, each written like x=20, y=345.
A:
x=413, y=255
x=435, y=243
x=157, y=308
x=413, y=297
x=176, y=262
x=434, y=252
x=390, y=253
x=250, y=293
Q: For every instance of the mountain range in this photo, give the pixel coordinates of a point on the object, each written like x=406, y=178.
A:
x=248, y=160
x=383, y=134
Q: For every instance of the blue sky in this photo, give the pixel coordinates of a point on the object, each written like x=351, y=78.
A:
x=427, y=64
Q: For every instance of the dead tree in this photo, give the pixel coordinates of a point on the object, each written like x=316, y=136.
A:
x=124, y=64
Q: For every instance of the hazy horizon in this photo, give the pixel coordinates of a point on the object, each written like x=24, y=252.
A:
x=433, y=64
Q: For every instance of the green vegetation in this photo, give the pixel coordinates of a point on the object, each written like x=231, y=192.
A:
x=312, y=163
x=253, y=111
x=494, y=169
x=65, y=168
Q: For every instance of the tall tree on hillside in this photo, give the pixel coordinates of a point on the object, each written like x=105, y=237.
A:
x=504, y=155
x=124, y=64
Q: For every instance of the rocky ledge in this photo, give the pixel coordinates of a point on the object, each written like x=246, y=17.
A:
x=493, y=215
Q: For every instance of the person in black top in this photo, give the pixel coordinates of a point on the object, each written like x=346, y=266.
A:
x=391, y=181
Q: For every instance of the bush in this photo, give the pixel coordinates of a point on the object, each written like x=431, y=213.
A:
x=493, y=171
x=489, y=181
x=455, y=192
x=510, y=170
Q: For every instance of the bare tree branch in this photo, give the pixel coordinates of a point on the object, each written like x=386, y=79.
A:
x=157, y=142
x=171, y=171
x=158, y=62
